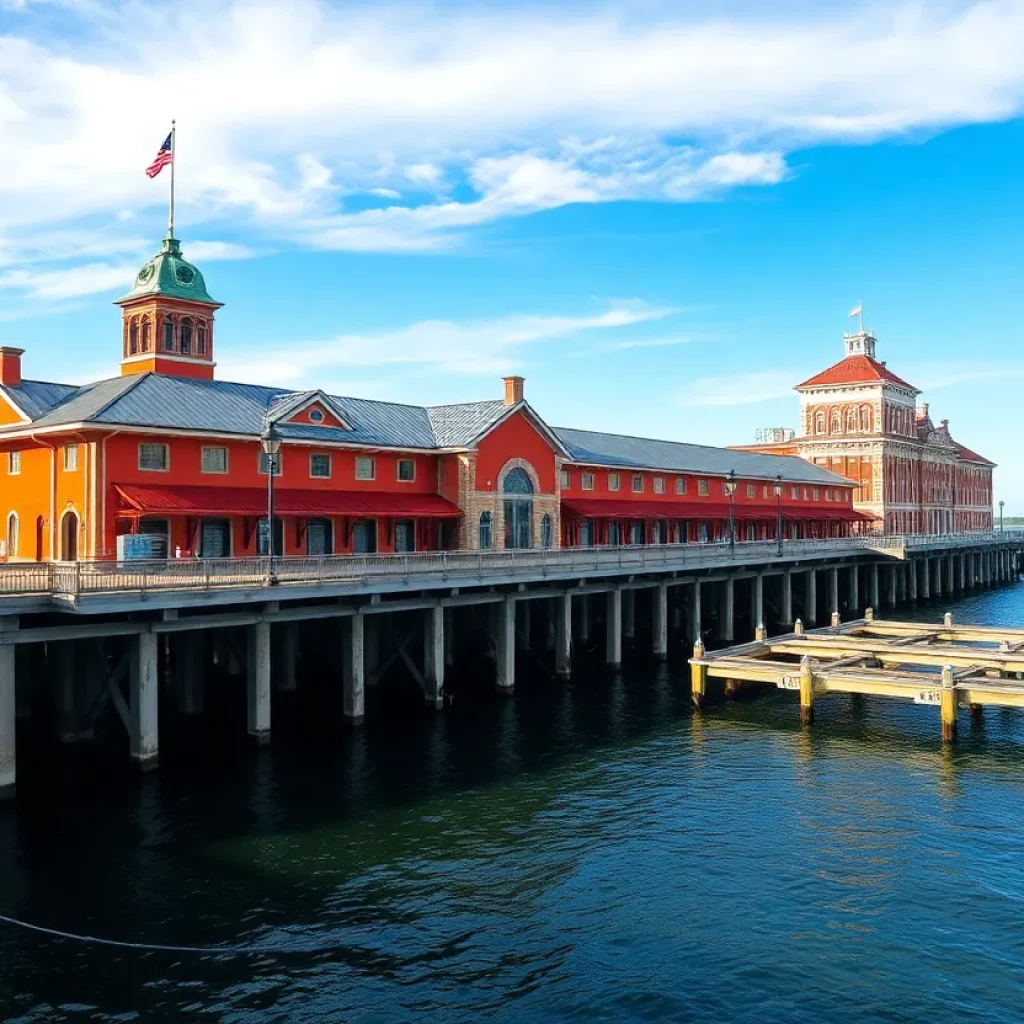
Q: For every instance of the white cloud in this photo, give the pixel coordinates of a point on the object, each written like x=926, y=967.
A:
x=741, y=388
x=469, y=348
x=510, y=110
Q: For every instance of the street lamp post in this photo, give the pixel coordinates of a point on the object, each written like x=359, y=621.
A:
x=1001, y=504
x=778, y=510
x=271, y=444
x=730, y=489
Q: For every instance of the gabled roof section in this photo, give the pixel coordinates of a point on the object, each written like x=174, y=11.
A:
x=493, y=414
x=590, y=447
x=287, y=407
x=35, y=398
x=88, y=402
x=859, y=369
x=966, y=455
x=459, y=426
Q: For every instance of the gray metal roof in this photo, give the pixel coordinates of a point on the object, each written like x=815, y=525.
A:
x=590, y=446
x=37, y=397
x=456, y=426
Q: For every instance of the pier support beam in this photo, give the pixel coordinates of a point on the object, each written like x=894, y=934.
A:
x=874, y=592
x=757, y=608
x=890, y=580
x=8, y=714
x=563, y=635
x=257, y=681
x=143, y=701
x=948, y=706
x=695, y=613
x=583, y=613
x=659, y=625
x=833, y=589
x=433, y=656
x=190, y=671
x=353, y=668
x=938, y=577
x=951, y=576
x=629, y=614
x=787, y=598
x=806, y=692
x=727, y=610
x=505, y=645
x=926, y=579
x=613, y=629
x=810, y=616
x=912, y=580
x=854, y=590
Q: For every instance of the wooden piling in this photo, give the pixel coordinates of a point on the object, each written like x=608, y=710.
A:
x=698, y=677
x=798, y=627
x=948, y=706
x=806, y=691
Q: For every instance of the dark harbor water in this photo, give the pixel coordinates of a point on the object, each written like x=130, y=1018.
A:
x=582, y=852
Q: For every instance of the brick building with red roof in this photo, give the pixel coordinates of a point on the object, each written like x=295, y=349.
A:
x=861, y=420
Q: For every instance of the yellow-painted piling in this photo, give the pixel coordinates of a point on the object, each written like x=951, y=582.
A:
x=698, y=677
x=760, y=633
x=948, y=706
x=869, y=614
x=947, y=620
x=836, y=620
x=806, y=692
x=798, y=626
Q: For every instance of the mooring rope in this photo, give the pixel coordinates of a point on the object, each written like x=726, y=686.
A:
x=152, y=947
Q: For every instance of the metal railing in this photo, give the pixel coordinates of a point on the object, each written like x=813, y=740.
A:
x=70, y=580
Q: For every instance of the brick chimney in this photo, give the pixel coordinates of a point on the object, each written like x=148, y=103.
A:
x=513, y=390
x=10, y=366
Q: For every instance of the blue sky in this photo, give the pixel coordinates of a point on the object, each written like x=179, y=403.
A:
x=657, y=213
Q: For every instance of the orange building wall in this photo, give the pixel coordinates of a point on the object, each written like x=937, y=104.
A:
x=8, y=416
x=516, y=438
x=28, y=494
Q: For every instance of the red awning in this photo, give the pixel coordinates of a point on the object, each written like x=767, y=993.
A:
x=252, y=501
x=602, y=508
x=849, y=515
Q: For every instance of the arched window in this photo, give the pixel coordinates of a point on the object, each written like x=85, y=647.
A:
x=545, y=532
x=147, y=331
x=485, y=531
x=168, y=335
x=819, y=423
x=201, y=338
x=185, y=336
x=851, y=421
x=133, y=337
x=12, y=535
x=865, y=418
x=518, y=490
x=837, y=422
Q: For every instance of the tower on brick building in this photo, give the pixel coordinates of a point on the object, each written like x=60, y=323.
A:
x=167, y=318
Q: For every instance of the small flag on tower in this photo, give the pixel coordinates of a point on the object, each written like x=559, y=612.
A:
x=164, y=156
x=856, y=311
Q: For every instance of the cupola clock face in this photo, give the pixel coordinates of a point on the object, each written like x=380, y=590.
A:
x=184, y=274
x=145, y=273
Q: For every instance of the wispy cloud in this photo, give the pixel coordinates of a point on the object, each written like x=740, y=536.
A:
x=443, y=120
x=741, y=388
x=471, y=348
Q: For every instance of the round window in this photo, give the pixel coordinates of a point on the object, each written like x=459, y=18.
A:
x=315, y=416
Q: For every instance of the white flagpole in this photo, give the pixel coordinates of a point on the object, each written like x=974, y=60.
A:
x=174, y=160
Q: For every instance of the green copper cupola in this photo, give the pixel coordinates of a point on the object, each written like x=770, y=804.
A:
x=169, y=273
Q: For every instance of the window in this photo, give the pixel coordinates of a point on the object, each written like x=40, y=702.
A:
x=13, y=463
x=795, y=492
x=815, y=494
x=215, y=460
x=751, y=491
x=659, y=485
x=201, y=340
x=805, y=494
x=702, y=488
x=320, y=466
x=614, y=481
x=13, y=533
x=365, y=468
x=566, y=479
x=680, y=485
x=638, y=483
x=265, y=460
x=545, y=532
x=153, y=457
x=133, y=338
x=485, y=531
x=185, y=337
x=316, y=416
x=70, y=457
x=168, y=335
x=828, y=493
x=587, y=481
x=407, y=470
x=764, y=491
x=146, y=334
x=819, y=423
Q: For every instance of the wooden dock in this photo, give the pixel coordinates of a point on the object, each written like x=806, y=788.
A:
x=946, y=665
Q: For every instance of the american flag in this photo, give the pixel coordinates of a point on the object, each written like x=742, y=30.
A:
x=164, y=156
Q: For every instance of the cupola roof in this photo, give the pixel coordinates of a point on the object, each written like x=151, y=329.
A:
x=168, y=274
